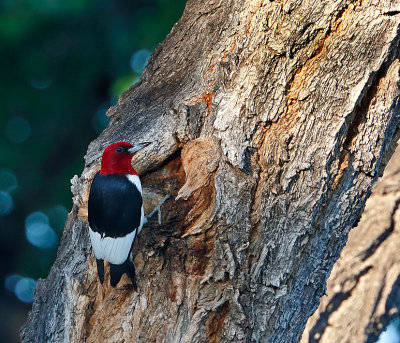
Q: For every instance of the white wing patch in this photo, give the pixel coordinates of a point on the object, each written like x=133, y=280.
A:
x=114, y=250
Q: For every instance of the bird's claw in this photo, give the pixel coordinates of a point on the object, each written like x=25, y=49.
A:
x=158, y=209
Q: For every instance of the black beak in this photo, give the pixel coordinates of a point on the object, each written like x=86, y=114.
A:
x=138, y=147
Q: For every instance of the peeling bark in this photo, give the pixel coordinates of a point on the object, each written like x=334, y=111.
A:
x=270, y=121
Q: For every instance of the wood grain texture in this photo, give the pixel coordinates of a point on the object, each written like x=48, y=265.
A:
x=291, y=107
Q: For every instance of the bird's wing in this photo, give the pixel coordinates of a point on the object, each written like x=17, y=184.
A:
x=116, y=250
x=115, y=215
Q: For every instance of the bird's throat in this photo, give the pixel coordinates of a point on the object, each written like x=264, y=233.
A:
x=117, y=167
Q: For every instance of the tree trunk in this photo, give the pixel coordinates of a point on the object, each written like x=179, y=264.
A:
x=363, y=291
x=269, y=121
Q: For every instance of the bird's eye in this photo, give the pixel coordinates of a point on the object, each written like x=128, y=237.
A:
x=119, y=149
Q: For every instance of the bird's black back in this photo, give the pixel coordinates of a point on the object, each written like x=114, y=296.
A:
x=114, y=207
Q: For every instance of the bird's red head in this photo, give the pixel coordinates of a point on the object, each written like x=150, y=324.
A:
x=117, y=158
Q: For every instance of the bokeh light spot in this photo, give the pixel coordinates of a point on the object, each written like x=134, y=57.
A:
x=122, y=84
x=8, y=180
x=18, y=130
x=391, y=334
x=139, y=60
x=41, y=235
x=38, y=232
x=36, y=217
x=24, y=289
x=11, y=281
x=6, y=203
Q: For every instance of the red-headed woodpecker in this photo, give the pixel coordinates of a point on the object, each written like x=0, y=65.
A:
x=115, y=211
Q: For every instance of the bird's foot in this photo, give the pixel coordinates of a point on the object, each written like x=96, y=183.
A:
x=158, y=209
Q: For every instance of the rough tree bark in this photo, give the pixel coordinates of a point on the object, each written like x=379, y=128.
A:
x=270, y=121
x=363, y=290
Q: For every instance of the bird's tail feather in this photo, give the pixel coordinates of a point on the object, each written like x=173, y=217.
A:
x=117, y=270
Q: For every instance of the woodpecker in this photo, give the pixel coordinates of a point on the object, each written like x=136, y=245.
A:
x=115, y=211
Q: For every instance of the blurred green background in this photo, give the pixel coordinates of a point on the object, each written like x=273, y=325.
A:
x=62, y=65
